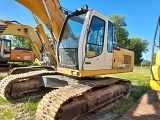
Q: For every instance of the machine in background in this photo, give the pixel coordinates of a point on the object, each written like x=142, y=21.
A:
x=13, y=55
x=155, y=60
x=85, y=49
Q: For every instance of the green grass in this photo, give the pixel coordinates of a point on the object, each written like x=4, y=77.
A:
x=140, y=84
x=31, y=105
x=6, y=114
x=3, y=101
x=2, y=75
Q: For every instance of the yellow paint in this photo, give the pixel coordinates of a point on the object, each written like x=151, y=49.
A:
x=156, y=72
x=36, y=7
x=55, y=18
x=37, y=62
x=46, y=41
x=155, y=83
x=122, y=57
x=117, y=57
x=55, y=30
x=91, y=54
x=158, y=58
x=87, y=73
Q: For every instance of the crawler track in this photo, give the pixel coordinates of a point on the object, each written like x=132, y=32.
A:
x=24, y=86
x=66, y=103
x=74, y=101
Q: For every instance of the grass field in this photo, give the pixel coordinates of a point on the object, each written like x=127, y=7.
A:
x=140, y=84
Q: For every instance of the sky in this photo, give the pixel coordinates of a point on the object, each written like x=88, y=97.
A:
x=140, y=15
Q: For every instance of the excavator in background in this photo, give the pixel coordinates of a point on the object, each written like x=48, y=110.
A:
x=37, y=45
x=15, y=28
x=10, y=54
x=85, y=49
x=155, y=67
x=13, y=55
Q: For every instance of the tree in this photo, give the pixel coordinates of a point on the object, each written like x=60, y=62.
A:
x=120, y=31
x=19, y=42
x=138, y=46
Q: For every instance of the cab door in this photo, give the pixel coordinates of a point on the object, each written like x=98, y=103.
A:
x=96, y=55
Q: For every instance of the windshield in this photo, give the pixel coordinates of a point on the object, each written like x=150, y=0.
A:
x=69, y=40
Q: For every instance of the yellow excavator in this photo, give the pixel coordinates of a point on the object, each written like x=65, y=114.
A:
x=15, y=28
x=155, y=60
x=85, y=48
x=9, y=54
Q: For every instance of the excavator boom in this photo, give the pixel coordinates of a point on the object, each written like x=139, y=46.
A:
x=10, y=28
x=48, y=11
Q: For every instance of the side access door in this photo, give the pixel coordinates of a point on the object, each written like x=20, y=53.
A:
x=97, y=56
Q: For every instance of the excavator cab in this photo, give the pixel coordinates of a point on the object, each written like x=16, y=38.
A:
x=86, y=46
x=5, y=50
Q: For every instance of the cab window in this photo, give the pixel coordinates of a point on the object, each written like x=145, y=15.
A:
x=95, y=37
x=7, y=47
x=110, y=37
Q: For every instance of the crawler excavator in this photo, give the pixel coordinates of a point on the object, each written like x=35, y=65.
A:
x=85, y=49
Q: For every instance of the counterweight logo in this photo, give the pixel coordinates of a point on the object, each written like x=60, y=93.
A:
x=27, y=57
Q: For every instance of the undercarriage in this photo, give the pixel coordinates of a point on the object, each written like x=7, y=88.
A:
x=70, y=100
